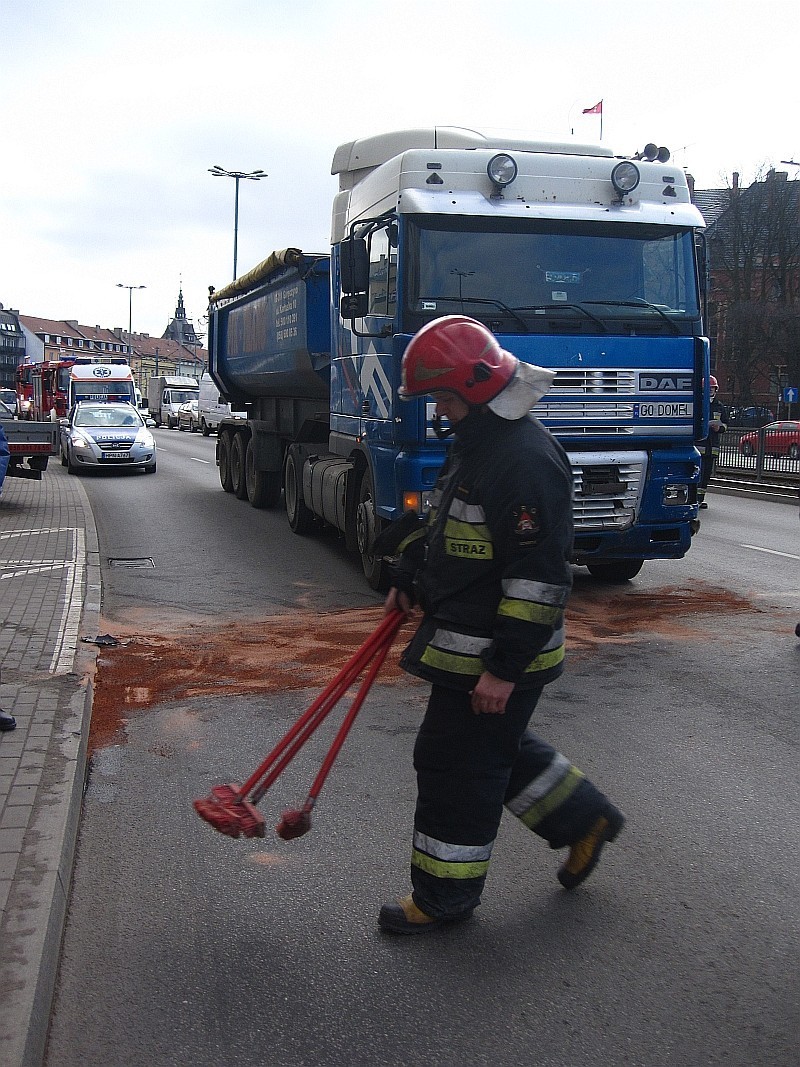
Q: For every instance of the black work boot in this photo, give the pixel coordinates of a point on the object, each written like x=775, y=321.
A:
x=405, y=917
x=7, y=722
x=584, y=854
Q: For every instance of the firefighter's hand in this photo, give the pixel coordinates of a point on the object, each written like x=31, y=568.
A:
x=491, y=694
x=396, y=600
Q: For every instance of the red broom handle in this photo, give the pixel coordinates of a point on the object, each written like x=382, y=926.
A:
x=349, y=719
x=325, y=702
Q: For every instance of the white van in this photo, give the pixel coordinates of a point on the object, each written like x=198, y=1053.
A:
x=211, y=408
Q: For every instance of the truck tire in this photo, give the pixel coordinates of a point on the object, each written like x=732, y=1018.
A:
x=301, y=518
x=263, y=487
x=621, y=570
x=38, y=463
x=224, y=462
x=205, y=429
x=376, y=569
x=238, y=479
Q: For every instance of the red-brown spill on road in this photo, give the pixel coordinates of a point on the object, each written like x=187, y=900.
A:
x=305, y=650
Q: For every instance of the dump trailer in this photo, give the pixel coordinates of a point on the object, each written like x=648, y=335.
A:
x=577, y=259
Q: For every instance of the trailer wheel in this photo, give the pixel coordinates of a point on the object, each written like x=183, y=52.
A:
x=621, y=570
x=263, y=487
x=224, y=461
x=238, y=479
x=301, y=518
x=38, y=463
x=376, y=569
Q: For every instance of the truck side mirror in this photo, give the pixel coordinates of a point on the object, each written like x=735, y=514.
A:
x=354, y=266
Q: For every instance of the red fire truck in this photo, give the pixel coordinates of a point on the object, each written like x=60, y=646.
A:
x=43, y=389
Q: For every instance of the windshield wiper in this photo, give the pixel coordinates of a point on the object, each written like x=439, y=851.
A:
x=638, y=304
x=482, y=300
x=575, y=307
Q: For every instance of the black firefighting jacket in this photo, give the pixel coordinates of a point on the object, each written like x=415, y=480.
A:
x=491, y=569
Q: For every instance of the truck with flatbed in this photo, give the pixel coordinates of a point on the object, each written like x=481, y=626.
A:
x=30, y=444
x=577, y=259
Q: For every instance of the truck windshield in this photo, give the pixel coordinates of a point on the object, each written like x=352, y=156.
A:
x=181, y=396
x=550, y=276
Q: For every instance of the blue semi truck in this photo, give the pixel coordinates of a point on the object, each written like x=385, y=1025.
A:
x=578, y=260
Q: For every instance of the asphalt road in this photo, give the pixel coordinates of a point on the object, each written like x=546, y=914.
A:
x=184, y=947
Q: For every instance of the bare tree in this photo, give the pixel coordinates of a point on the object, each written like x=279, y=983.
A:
x=755, y=298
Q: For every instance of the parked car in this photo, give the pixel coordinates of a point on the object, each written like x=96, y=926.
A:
x=187, y=416
x=780, y=439
x=100, y=434
x=9, y=398
x=750, y=416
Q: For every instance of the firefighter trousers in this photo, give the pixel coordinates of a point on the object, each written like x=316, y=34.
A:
x=468, y=768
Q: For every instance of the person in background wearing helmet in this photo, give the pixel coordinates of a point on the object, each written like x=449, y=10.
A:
x=709, y=449
x=491, y=570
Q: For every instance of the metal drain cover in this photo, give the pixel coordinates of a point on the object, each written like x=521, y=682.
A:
x=138, y=562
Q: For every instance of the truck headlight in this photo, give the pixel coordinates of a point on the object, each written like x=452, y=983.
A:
x=625, y=177
x=502, y=169
x=676, y=494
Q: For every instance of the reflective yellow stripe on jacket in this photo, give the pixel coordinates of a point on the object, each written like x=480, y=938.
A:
x=466, y=534
x=533, y=601
x=461, y=653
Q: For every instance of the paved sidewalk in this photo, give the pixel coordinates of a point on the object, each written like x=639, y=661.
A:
x=49, y=599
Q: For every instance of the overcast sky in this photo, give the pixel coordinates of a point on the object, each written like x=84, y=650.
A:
x=112, y=112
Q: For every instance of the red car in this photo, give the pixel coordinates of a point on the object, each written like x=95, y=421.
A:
x=780, y=439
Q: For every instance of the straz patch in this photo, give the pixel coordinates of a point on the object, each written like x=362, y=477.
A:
x=526, y=524
x=469, y=549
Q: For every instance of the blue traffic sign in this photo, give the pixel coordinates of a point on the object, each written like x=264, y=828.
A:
x=791, y=394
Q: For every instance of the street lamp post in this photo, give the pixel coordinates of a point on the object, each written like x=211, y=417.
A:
x=130, y=289
x=253, y=175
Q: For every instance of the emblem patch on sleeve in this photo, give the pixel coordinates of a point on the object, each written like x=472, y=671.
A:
x=526, y=524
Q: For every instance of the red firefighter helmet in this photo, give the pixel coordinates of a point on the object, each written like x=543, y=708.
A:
x=459, y=355
x=712, y=382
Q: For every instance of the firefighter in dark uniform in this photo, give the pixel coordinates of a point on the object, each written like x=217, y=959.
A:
x=709, y=449
x=491, y=570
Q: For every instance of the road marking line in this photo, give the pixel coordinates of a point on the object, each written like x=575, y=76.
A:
x=33, y=570
x=196, y=460
x=67, y=640
x=771, y=552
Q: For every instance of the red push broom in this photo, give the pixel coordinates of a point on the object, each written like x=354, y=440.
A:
x=232, y=810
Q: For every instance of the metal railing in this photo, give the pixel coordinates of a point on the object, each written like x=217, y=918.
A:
x=759, y=455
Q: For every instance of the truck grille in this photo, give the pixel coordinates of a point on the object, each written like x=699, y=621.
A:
x=610, y=381
x=607, y=494
x=592, y=418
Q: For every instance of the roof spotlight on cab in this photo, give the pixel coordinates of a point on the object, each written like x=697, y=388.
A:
x=625, y=178
x=502, y=170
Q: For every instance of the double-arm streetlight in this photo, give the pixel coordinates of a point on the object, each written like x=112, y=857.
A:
x=253, y=175
x=130, y=289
